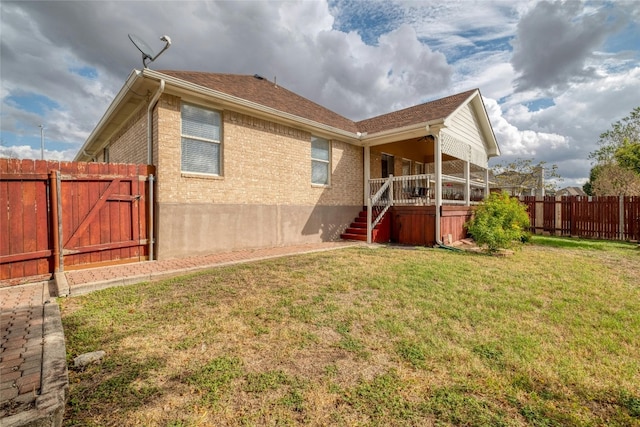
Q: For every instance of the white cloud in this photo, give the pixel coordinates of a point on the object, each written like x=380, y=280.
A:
x=516, y=142
x=27, y=152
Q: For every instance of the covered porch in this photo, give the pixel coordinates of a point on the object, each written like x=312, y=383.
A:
x=425, y=168
x=430, y=187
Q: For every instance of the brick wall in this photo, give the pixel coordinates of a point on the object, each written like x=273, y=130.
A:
x=129, y=144
x=263, y=163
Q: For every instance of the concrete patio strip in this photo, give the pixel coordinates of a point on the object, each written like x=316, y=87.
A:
x=34, y=381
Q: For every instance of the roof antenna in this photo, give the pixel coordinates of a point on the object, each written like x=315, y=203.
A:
x=147, y=52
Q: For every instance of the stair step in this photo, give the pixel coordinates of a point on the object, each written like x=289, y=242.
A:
x=359, y=237
x=352, y=230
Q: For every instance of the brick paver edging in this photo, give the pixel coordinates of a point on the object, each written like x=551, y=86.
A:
x=54, y=389
x=157, y=270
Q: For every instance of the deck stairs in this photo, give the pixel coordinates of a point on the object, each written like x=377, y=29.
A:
x=358, y=229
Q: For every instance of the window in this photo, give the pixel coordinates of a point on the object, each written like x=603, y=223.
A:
x=419, y=168
x=320, y=155
x=406, y=167
x=105, y=155
x=200, y=140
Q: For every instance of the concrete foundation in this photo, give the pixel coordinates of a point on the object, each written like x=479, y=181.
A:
x=201, y=228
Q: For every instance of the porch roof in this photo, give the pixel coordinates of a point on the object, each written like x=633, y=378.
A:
x=422, y=113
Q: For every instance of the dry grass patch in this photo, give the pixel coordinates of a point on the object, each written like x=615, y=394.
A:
x=548, y=336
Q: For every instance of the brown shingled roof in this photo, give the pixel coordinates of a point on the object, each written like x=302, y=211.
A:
x=265, y=92
x=438, y=109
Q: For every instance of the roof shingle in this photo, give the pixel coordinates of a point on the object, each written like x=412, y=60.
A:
x=261, y=91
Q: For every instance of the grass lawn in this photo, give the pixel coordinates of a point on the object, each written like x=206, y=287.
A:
x=361, y=336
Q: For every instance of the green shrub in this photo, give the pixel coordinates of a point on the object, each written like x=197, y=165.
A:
x=499, y=222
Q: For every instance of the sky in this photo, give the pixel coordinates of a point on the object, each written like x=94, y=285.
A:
x=553, y=75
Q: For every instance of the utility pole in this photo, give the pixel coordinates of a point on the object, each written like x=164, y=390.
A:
x=41, y=142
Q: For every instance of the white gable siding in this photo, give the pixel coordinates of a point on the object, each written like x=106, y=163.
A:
x=464, y=127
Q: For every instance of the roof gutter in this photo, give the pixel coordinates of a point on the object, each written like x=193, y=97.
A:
x=113, y=107
x=252, y=106
x=152, y=104
x=392, y=135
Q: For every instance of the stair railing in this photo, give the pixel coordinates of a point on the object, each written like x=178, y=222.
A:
x=379, y=204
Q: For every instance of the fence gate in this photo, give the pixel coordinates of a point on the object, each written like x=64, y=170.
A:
x=56, y=216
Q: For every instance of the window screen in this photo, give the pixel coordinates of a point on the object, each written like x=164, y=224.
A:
x=320, y=154
x=200, y=140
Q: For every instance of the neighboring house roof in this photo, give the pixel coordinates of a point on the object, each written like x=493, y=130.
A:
x=254, y=93
x=571, y=191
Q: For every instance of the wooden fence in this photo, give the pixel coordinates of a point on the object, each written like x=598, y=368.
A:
x=65, y=215
x=609, y=218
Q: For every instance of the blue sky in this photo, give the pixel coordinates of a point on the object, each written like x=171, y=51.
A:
x=553, y=74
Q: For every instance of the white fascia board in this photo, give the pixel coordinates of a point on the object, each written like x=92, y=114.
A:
x=404, y=133
x=253, y=107
x=106, y=118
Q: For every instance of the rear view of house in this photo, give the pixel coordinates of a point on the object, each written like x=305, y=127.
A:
x=244, y=163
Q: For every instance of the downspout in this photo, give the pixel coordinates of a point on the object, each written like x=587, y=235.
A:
x=152, y=104
x=437, y=158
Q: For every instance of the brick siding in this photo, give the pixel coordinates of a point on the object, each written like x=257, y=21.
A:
x=263, y=163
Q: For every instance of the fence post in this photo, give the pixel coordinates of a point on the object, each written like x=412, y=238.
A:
x=621, y=217
x=62, y=286
x=55, y=220
x=558, y=216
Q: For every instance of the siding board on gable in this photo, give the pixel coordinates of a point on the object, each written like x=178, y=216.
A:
x=464, y=126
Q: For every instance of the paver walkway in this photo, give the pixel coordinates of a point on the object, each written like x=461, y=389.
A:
x=83, y=281
x=25, y=315
x=22, y=324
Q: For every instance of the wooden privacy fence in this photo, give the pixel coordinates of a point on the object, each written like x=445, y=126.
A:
x=608, y=217
x=68, y=215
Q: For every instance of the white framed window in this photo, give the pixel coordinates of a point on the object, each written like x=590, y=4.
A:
x=201, y=140
x=320, y=160
x=406, y=167
x=418, y=168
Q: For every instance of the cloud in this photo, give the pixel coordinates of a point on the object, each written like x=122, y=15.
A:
x=28, y=152
x=516, y=142
x=555, y=42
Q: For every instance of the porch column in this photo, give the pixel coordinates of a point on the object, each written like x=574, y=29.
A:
x=467, y=184
x=367, y=174
x=487, y=188
x=437, y=163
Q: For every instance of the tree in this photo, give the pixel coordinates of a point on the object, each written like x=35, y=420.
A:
x=615, y=180
x=628, y=156
x=522, y=175
x=593, y=176
x=623, y=131
x=617, y=162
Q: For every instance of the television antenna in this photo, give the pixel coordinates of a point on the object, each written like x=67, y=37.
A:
x=147, y=52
